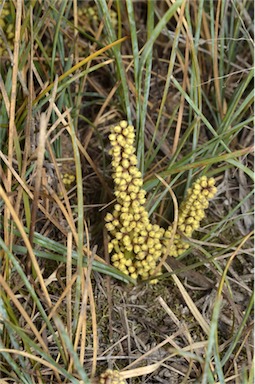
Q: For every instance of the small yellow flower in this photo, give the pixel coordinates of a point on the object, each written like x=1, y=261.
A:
x=111, y=377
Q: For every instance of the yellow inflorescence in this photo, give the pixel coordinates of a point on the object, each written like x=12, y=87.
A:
x=134, y=242
x=111, y=377
x=192, y=211
x=7, y=27
x=67, y=178
x=90, y=14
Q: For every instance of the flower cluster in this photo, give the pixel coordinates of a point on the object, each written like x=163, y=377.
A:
x=89, y=15
x=135, y=243
x=112, y=377
x=7, y=25
x=192, y=211
x=68, y=179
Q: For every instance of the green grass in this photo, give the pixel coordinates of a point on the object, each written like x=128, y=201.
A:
x=182, y=73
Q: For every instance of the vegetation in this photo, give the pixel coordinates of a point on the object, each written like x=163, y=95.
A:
x=181, y=73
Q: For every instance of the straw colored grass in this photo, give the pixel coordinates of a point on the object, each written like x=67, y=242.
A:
x=182, y=73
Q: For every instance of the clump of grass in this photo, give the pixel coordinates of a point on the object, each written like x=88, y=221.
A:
x=182, y=74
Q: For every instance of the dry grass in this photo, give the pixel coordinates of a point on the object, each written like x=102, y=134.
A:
x=181, y=72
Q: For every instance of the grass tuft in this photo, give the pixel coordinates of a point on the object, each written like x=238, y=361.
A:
x=182, y=73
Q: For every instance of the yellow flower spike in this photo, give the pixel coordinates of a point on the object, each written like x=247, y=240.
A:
x=111, y=377
x=141, y=242
x=192, y=211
